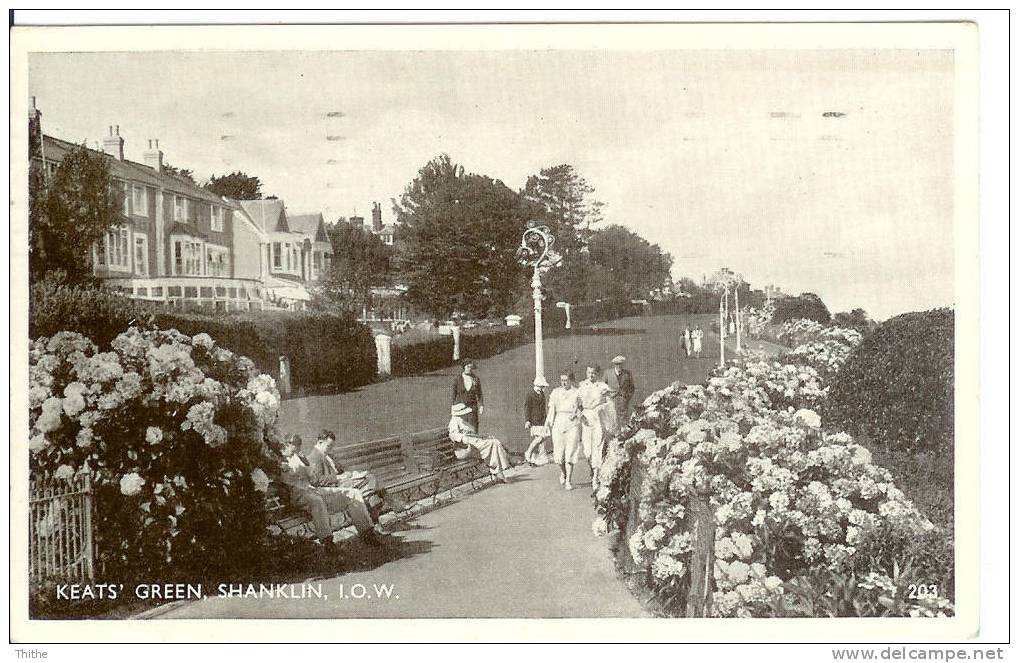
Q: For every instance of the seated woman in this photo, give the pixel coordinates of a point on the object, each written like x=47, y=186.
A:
x=466, y=440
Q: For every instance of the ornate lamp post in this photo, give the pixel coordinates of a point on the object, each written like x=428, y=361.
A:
x=536, y=252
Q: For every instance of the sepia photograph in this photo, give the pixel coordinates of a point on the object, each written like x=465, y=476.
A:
x=623, y=323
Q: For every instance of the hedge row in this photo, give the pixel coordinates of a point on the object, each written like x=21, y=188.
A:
x=899, y=383
x=325, y=351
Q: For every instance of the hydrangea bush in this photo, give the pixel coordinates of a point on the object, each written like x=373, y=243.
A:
x=788, y=496
x=179, y=437
x=756, y=320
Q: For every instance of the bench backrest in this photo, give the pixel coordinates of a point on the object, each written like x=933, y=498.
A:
x=372, y=455
x=435, y=443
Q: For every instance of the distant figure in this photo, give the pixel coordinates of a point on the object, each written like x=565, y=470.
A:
x=535, y=413
x=563, y=421
x=698, y=337
x=624, y=388
x=467, y=390
x=687, y=342
x=470, y=443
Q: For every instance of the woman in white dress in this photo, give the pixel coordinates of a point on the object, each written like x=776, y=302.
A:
x=598, y=418
x=490, y=449
x=698, y=335
x=564, y=423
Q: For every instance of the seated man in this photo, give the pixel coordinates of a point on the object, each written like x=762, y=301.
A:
x=325, y=473
x=468, y=442
x=319, y=503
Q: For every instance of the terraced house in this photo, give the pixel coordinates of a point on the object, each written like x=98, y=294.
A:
x=186, y=247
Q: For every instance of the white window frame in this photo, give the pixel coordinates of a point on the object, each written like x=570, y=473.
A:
x=140, y=241
x=217, y=251
x=140, y=208
x=118, y=253
x=185, y=208
x=277, y=256
x=216, y=218
x=122, y=187
x=192, y=256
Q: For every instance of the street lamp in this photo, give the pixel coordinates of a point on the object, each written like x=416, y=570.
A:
x=536, y=251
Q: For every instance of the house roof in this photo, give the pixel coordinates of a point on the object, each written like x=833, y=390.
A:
x=387, y=229
x=268, y=214
x=56, y=149
x=312, y=225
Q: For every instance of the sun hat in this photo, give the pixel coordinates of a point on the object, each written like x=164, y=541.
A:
x=540, y=382
x=460, y=409
x=618, y=359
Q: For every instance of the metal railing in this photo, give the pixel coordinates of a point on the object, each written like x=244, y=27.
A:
x=60, y=541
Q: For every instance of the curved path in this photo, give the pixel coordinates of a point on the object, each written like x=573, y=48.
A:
x=519, y=550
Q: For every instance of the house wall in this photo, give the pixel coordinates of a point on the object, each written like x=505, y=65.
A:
x=247, y=262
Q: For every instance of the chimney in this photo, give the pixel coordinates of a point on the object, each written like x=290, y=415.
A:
x=114, y=144
x=376, y=217
x=153, y=157
x=34, y=128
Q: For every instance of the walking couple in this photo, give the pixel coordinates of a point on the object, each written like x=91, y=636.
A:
x=581, y=418
x=692, y=341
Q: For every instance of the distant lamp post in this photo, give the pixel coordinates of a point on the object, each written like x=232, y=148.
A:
x=536, y=252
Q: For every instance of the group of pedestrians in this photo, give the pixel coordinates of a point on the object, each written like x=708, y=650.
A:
x=692, y=341
x=578, y=418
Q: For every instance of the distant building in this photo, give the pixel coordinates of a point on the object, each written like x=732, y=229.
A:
x=186, y=247
x=386, y=232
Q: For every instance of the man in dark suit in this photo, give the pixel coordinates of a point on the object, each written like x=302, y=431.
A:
x=624, y=388
x=467, y=390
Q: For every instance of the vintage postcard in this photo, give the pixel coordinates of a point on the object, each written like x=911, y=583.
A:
x=495, y=332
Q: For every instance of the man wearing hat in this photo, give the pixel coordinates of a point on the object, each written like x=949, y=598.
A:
x=624, y=388
x=534, y=423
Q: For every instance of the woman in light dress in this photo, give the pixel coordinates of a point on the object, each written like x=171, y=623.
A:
x=564, y=423
x=599, y=421
x=697, y=336
x=491, y=450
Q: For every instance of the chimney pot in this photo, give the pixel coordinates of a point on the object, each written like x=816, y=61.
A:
x=118, y=129
x=110, y=129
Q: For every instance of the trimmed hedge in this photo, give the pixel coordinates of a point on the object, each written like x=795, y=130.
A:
x=898, y=386
x=325, y=350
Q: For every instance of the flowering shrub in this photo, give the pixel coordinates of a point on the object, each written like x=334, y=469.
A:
x=787, y=496
x=178, y=434
x=756, y=320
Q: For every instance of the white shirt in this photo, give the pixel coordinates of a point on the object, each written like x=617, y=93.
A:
x=468, y=381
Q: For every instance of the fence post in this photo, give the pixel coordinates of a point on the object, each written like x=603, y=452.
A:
x=456, y=343
x=383, y=350
x=702, y=560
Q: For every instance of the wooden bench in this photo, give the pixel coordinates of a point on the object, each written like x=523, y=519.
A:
x=285, y=518
x=385, y=459
x=433, y=451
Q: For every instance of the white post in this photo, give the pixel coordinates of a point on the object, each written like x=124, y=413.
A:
x=383, y=351
x=737, y=319
x=456, y=343
x=539, y=353
x=721, y=329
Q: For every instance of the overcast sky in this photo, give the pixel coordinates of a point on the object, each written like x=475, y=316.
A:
x=724, y=158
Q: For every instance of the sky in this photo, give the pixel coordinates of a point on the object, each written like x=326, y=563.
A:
x=818, y=171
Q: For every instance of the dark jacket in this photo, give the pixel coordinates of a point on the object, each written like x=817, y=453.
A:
x=624, y=386
x=473, y=398
x=534, y=408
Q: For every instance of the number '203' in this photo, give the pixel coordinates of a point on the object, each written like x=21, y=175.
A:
x=921, y=591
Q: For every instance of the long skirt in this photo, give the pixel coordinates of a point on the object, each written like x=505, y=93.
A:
x=600, y=423
x=492, y=452
x=536, y=452
x=566, y=445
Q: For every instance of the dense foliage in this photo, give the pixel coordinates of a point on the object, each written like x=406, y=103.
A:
x=806, y=523
x=325, y=350
x=360, y=262
x=68, y=213
x=178, y=435
x=807, y=305
x=236, y=185
x=899, y=385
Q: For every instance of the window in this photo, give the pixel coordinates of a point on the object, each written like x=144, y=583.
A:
x=217, y=260
x=217, y=218
x=286, y=248
x=187, y=257
x=113, y=251
x=276, y=257
x=121, y=189
x=140, y=200
x=141, y=255
x=180, y=209
x=316, y=263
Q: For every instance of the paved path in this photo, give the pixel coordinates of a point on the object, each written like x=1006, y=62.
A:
x=519, y=550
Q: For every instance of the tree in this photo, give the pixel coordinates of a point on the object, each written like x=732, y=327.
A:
x=857, y=319
x=631, y=265
x=562, y=200
x=360, y=262
x=69, y=214
x=182, y=173
x=236, y=185
x=458, y=234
